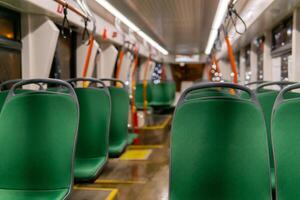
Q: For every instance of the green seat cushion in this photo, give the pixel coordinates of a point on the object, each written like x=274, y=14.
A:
x=88, y=168
x=132, y=137
x=33, y=194
x=116, y=150
x=219, y=151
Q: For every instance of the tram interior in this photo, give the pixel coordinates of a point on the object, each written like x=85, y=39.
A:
x=149, y=99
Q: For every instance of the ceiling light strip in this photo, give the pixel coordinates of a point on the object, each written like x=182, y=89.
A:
x=105, y=4
x=218, y=19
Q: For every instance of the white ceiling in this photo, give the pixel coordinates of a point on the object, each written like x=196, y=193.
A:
x=181, y=26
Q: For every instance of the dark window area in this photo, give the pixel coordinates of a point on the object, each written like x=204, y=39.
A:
x=247, y=63
x=64, y=61
x=10, y=45
x=10, y=65
x=285, y=66
x=282, y=34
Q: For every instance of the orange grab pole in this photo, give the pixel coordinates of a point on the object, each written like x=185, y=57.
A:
x=232, y=60
x=119, y=63
x=145, y=82
x=88, y=56
x=134, y=117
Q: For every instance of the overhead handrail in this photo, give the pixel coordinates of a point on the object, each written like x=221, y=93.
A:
x=74, y=9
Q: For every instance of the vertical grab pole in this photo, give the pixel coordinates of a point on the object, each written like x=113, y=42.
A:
x=145, y=85
x=232, y=59
x=119, y=64
x=134, y=117
x=88, y=56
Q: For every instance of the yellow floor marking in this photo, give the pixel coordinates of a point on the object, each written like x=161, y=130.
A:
x=111, y=196
x=157, y=127
x=136, y=154
x=104, y=181
x=145, y=147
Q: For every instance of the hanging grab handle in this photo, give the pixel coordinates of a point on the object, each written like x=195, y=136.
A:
x=66, y=24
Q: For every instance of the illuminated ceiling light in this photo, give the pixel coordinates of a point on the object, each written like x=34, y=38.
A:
x=105, y=4
x=219, y=17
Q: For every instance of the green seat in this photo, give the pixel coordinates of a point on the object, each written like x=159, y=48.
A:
x=118, y=131
x=3, y=96
x=219, y=148
x=266, y=98
x=37, y=143
x=163, y=94
x=93, y=131
x=285, y=128
x=139, y=97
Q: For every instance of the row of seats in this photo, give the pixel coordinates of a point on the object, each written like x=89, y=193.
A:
x=51, y=136
x=158, y=94
x=227, y=152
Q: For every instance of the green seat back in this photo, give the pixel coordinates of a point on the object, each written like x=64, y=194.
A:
x=163, y=94
x=285, y=134
x=119, y=120
x=93, y=132
x=3, y=95
x=266, y=100
x=37, y=143
x=224, y=153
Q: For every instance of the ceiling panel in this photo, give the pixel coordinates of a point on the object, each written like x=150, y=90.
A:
x=182, y=26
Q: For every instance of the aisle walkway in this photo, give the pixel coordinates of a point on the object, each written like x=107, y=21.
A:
x=142, y=172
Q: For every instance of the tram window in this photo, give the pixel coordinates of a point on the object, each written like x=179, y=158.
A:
x=10, y=45
x=282, y=34
x=10, y=24
x=64, y=61
x=259, y=43
x=10, y=65
x=156, y=76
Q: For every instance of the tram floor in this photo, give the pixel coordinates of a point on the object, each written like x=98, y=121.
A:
x=141, y=172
